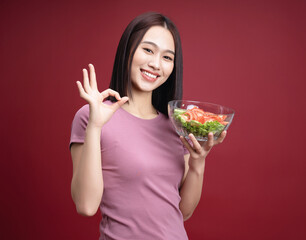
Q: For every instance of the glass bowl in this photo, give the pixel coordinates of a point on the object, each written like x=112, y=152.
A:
x=199, y=118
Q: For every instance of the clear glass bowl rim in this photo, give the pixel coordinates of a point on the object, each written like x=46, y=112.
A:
x=230, y=110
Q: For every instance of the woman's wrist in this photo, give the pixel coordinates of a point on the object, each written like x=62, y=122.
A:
x=197, y=168
x=93, y=127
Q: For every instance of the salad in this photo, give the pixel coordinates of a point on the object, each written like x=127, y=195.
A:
x=198, y=122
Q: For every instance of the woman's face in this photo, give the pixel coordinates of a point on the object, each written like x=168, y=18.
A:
x=153, y=60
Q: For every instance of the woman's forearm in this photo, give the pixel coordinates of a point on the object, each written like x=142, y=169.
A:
x=191, y=191
x=87, y=181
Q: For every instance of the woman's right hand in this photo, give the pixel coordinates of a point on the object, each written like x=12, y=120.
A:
x=99, y=112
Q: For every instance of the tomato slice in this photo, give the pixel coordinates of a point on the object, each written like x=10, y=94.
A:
x=209, y=114
x=221, y=117
x=196, y=113
x=198, y=110
x=191, y=115
x=201, y=116
x=208, y=119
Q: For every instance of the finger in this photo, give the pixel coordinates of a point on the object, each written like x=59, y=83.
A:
x=86, y=81
x=221, y=137
x=93, y=80
x=122, y=101
x=186, y=144
x=110, y=92
x=119, y=103
x=196, y=145
x=81, y=90
x=210, y=141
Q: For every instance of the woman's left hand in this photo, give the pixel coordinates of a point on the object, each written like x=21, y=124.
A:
x=199, y=150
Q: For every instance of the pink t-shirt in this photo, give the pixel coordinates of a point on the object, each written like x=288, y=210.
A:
x=142, y=165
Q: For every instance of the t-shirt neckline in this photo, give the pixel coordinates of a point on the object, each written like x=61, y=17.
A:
x=142, y=119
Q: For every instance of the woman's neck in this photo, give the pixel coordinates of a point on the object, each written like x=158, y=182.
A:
x=141, y=105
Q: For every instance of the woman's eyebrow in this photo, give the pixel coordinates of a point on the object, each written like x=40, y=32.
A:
x=155, y=45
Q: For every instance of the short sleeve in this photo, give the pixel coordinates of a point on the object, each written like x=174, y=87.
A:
x=79, y=124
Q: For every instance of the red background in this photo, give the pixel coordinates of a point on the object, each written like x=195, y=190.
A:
x=248, y=55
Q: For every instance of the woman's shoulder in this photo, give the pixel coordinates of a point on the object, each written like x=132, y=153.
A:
x=81, y=116
x=84, y=110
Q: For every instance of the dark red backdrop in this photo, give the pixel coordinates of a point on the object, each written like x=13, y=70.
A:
x=249, y=55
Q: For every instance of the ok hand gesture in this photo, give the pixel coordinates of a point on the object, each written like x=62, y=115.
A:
x=99, y=112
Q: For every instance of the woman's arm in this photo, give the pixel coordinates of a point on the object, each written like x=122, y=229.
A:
x=191, y=188
x=87, y=180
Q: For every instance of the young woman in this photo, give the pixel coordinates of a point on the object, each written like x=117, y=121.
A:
x=127, y=158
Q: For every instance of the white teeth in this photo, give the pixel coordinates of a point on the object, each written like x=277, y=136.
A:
x=149, y=74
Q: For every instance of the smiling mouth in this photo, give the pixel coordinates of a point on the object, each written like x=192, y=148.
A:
x=149, y=75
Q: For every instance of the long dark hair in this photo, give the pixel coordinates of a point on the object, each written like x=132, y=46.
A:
x=131, y=38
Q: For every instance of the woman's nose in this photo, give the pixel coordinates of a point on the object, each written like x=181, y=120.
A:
x=154, y=62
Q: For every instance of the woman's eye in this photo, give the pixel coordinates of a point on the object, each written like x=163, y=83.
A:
x=168, y=58
x=148, y=50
